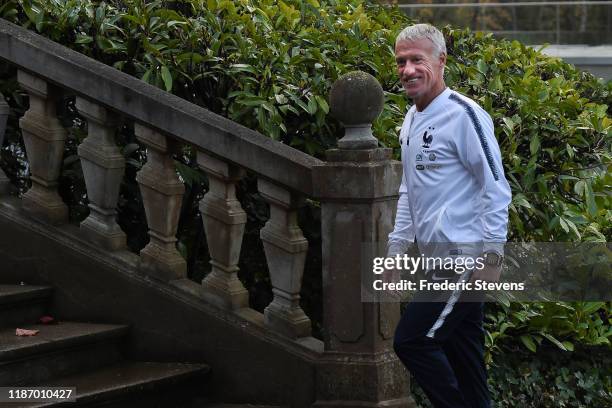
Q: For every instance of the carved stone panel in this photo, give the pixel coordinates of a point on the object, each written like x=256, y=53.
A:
x=342, y=302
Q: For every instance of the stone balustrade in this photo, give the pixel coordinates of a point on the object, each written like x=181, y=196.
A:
x=356, y=186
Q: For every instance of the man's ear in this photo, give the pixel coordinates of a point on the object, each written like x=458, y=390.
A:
x=442, y=59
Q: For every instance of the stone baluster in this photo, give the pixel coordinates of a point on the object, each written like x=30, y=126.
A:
x=103, y=166
x=162, y=196
x=224, y=221
x=358, y=188
x=285, y=249
x=4, y=112
x=44, y=138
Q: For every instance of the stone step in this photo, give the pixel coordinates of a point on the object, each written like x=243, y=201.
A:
x=20, y=304
x=132, y=384
x=57, y=350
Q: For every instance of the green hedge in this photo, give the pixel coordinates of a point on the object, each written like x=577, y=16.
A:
x=270, y=64
x=582, y=379
x=270, y=68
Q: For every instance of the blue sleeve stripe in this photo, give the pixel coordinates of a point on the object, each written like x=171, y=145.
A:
x=479, y=132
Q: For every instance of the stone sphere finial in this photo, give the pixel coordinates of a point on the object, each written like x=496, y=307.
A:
x=356, y=99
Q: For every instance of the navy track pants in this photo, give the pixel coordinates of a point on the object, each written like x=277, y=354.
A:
x=442, y=346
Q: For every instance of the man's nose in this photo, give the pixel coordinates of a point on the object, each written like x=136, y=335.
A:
x=407, y=69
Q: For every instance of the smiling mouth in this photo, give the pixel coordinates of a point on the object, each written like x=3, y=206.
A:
x=412, y=81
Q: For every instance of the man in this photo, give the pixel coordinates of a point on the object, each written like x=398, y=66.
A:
x=453, y=191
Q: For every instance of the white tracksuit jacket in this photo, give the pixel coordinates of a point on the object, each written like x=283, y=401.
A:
x=453, y=188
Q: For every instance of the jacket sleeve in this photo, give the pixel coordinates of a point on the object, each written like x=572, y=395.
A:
x=480, y=154
x=403, y=234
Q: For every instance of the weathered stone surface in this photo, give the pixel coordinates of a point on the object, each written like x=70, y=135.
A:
x=357, y=204
x=346, y=180
x=358, y=155
x=357, y=381
x=351, y=324
x=162, y=196
x=4, y=112
x=44, y=137
x=285, y=248
x=251, y=364
x=103, y=166
x=356, y=99
x=224, y=221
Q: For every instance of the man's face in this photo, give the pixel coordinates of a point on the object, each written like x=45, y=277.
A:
x=420, y=69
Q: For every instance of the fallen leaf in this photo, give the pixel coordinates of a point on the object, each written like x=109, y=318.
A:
x=26, y=332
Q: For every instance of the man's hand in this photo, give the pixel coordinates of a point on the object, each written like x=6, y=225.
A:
x=391, y=276
x=490, y=273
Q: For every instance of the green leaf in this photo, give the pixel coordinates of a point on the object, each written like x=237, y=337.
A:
x=579, y=187
x=570, y=151
x=104, y=43
x=569, y=346
x=281, y=99
x=83, y=39
x=312, y=106
x=573, y=227
x=591, y=307
x=553, y=340
x=302, y=105
x=521, y=201
x=166, y=77
x=508, y=122
x=564, y=224
x=590, y=200
x=534, y=145
x=243, y=68
x=527, y=340
x=482, y=67
x=549, y=126
x=322, y=103
x=251, y=102
x=145, y=77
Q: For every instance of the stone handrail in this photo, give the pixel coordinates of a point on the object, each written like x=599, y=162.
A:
x=356, y=186
x=152, y=106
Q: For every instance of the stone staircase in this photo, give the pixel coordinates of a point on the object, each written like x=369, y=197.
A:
x=259, y=356
x=87, y=356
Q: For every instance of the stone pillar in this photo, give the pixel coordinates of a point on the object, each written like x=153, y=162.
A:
x=44, y=138
x=162, y=195
x=103, y=166
x=285, y=248
x=224, y=221
x=358, y=188
x=4, y=112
